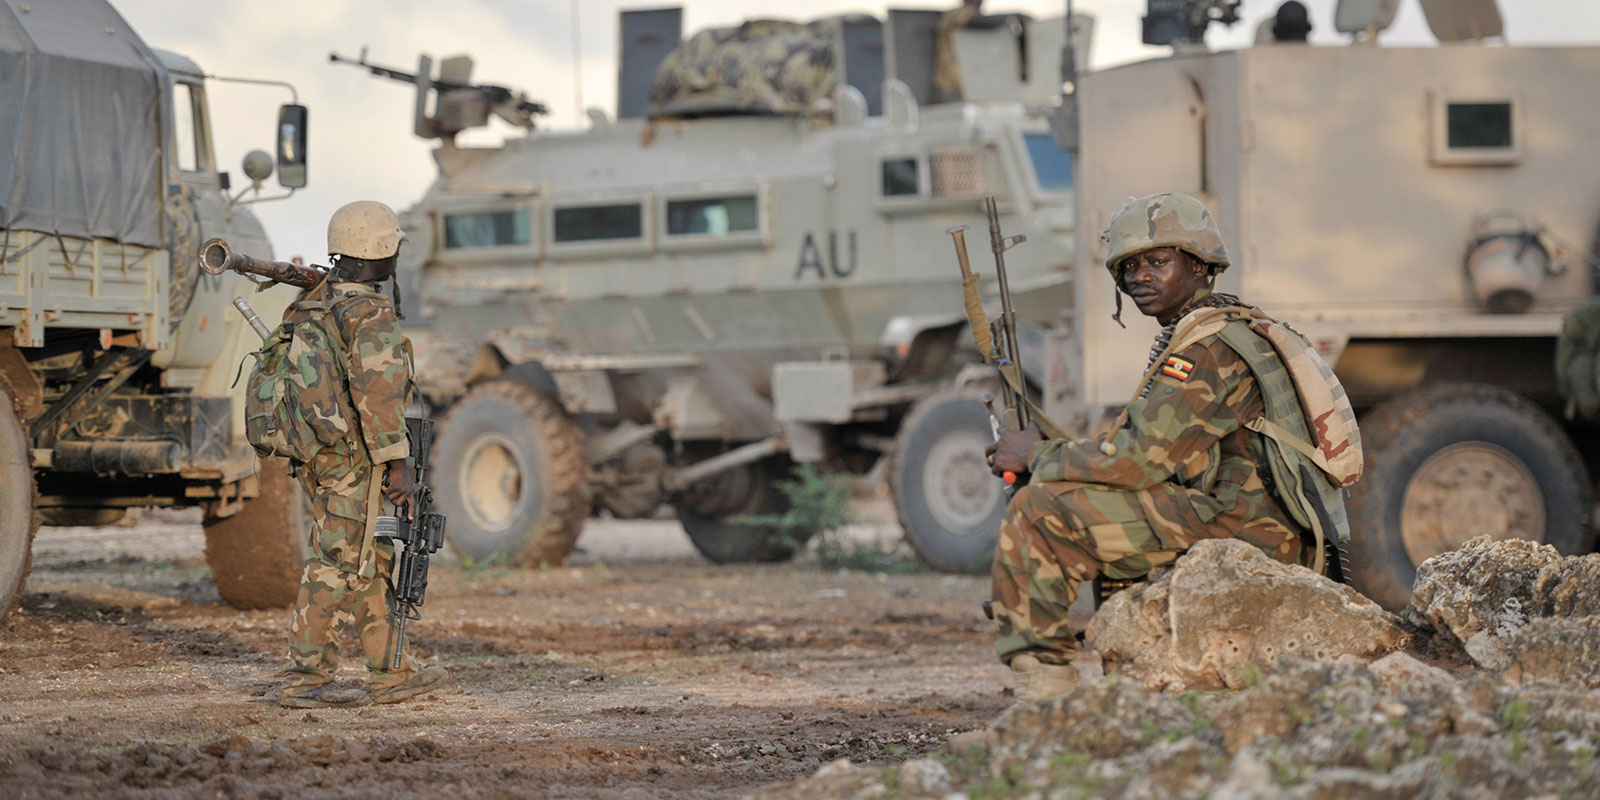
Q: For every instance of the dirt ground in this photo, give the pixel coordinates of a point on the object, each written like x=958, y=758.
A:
x=639, y=671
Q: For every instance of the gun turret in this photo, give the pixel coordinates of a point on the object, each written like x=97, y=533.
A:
x=1179, y=22
x=460, y=104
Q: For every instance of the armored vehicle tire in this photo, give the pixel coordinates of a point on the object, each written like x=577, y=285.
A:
x=256, y=556
x=708, y=510
x=1450, y=462
x=948, y=501
x=18, y=519
x=511, y=476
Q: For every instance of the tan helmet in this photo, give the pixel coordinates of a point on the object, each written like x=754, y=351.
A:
x=365, y=229
x=1171, y=219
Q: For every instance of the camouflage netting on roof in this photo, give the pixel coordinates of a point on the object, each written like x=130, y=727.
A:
x=761, y=67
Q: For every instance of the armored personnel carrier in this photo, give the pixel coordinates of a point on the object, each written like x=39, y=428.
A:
x=734, y=276
x=116, y=354
x=1424, y=214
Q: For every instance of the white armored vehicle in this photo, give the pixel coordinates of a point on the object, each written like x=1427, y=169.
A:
x=677, y=305
x=116, y=354
x=1424, y=214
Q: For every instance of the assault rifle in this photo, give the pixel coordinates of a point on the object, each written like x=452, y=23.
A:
x=417, y=538
x=997, y=339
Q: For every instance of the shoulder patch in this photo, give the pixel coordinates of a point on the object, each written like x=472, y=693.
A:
x=1177, y=367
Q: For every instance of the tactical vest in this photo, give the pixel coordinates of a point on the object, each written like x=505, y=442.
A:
x=1308, y=430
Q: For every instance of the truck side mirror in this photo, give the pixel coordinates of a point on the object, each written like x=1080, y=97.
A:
x=292, y=129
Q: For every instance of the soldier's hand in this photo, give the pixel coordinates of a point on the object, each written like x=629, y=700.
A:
x=397, y=485
x=1010, y=454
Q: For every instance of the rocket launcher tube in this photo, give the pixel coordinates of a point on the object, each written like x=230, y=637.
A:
x=216, y=257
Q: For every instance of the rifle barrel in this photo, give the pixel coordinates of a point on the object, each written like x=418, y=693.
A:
x=1008, y=313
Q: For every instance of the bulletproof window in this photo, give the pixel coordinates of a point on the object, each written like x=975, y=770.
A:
x=1478, y=125
x=487, y=229
x=591, y=223
x=899, y=177
x=1052, y=166
x=711, y=215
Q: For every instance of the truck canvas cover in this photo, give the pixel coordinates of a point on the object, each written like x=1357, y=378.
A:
x=80, y=101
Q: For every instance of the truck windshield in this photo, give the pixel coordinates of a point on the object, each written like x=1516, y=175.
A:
x=1051, y=165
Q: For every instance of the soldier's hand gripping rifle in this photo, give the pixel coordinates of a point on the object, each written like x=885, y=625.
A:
x=997, y=339
x=416, y=539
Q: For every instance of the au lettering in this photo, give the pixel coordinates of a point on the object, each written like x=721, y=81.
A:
x=811, y=257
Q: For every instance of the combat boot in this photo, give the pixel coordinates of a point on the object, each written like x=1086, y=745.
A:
x=327, y=696
x=429, y=678
x=1038, y=681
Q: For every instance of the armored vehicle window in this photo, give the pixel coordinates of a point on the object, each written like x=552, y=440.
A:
x=711, y=215
x=1051, y=165
x=487, y=229
x=1479, y=125
x=588, y=223
x=899, y=176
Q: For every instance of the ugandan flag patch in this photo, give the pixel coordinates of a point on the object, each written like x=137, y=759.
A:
x=1177, y=367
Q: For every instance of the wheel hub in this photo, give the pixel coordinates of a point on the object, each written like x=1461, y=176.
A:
x=492, y=482
x=1467, y=490
x=961, y=491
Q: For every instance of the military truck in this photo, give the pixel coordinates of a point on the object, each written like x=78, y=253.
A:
x=117, y=354
x=1423, y=214
x=677, y=305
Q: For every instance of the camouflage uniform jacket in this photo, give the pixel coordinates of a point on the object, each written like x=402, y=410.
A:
x=1187, y=430
x=377, y=369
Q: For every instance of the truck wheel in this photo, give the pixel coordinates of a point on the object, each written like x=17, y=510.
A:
x=708, y=510
x=1450, y=462
x=948, y=502
x=511, y=475
x=18, y=519
x=257, y=555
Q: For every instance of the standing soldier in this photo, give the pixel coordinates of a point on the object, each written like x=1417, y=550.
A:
x=346, y=572
x=1183, y=464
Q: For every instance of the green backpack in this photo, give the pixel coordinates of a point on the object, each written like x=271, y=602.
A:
x=295, y=397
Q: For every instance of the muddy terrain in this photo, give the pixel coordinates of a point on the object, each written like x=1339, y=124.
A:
x=640, y=671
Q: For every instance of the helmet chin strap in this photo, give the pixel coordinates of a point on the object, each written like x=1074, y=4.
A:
x=347, y=268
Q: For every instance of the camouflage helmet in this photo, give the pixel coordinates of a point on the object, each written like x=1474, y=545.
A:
x=365, y=229
x=1171, y=219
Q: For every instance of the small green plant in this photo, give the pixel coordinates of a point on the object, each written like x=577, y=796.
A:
x=819, y=509
x=1515, y=714
x=962, y=765
x=1250, y=676
x=1519, y=745
x=1582, y=757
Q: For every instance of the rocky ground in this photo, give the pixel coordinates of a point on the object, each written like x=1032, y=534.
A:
x=640, y=671
x=1488, y=688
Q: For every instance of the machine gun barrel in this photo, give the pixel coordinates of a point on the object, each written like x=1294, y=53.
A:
x=216, y=257
x=491, y=92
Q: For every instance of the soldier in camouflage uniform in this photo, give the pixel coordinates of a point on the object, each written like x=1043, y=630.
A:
x=345, y=579
x=1178, y=467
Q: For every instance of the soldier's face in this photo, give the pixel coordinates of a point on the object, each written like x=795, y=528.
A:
x=1162, y=281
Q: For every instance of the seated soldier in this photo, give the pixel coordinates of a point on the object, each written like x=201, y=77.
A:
x=1179, y=467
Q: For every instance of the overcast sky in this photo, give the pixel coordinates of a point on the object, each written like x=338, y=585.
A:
x=361, y=143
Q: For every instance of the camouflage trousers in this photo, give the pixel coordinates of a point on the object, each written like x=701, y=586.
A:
x=344, y=579
x=1057, y=535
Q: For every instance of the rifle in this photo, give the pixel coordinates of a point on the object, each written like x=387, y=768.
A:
x=418, y=538
x=997, y=339
x=216, y=257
